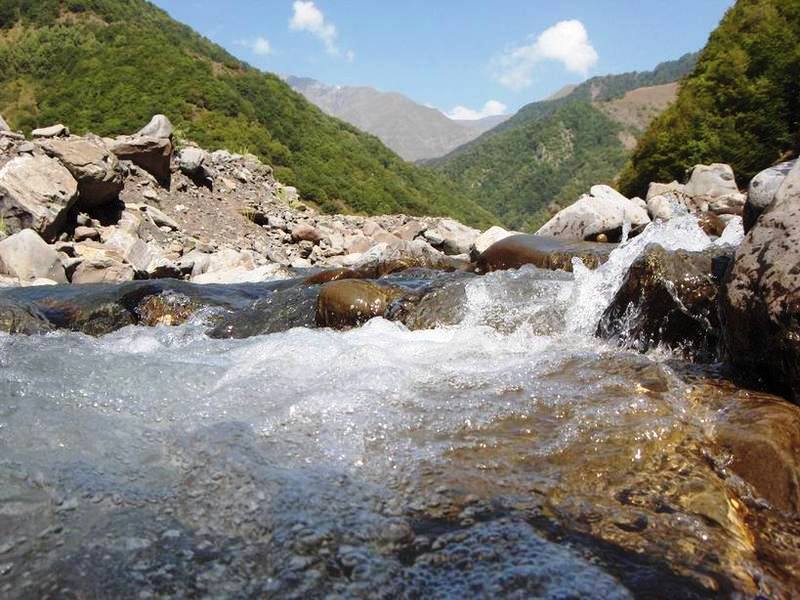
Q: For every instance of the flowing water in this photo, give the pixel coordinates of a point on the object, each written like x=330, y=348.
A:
x=510, y=455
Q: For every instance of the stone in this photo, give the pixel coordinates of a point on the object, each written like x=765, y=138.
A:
x=455, y=237
x=83, y=233
x=713, y=188
x=303, y=232
x=409, y=230
x=487, y=238
x=158, y=127
x=263, y=273
x=356, y=244
x=102, y=271
x=3, y=125
x=602, y=211
x=544, y=252
x=157, y=216
x=761, y=435
x=132, y=249
x=36, y=192
x=762, y=190
x=96, y=170
x=352, y=302
x=26, y=256
x=50, y=132
x=149, y=153
x=163, y=268
x=670, y=299
x=760, y=305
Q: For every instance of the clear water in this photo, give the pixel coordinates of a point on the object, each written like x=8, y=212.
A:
x=513, y=455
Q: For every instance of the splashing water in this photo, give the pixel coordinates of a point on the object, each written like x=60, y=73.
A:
x=509, y=455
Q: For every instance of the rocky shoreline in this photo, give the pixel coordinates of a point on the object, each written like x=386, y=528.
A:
x=146, y=208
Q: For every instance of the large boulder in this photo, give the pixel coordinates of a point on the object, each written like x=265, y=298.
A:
x=713, y=188
x=760, y=307
x=149, y=153
x=92, y=165
x=158, y=127
x=352, y=302
x=668, y=298
x=762, y=190
x=487, y=238
x=451, y=236
x=544, y=252
x=50, y=132
x=104, y=270
x=36, y=192
x=603, y=211
x=26, y=256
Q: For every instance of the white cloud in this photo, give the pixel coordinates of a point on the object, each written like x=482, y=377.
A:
x=259, y=45
x=307, y=17
x=566, y=42
x=492, y=108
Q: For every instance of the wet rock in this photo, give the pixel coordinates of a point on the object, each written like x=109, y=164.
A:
x=16, y=320
x=36, y=192
x=667, y=298
x=544, y=252
x=149, y=153
x=760, y=306
x=487, y=238
x=352, y=302
x=711, y=223
x=96, y=170
x=761, y=435
x=763, y=188
x=383, y=259
x=713, y=188
x=167, y=308
x=158, y=127
x=51, y=132
x=602, y=211
x=27, y=257
x=102, y=270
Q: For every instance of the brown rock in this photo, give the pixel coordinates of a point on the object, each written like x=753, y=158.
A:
x=352, y=302
x=544, y=252
x=304, y=232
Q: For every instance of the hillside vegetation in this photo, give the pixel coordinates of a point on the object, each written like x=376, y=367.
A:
x=550, y=152
x=108, y=65
x=740, y=105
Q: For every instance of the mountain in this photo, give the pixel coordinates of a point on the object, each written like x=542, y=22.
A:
x=414, y=131
x=109, y=65
x=551, y=151
x=740, y=105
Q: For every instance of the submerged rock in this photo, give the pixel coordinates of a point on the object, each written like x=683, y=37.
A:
x=760, y=306
x=353, y=302
x=544, y=252
x=667, y=298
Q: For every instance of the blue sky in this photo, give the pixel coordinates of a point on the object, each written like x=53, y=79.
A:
x=481, y=56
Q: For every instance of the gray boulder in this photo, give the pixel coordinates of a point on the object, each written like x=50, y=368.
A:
x=760, y=306
x=95, y=168
x=102, y=270
x=713, y=188
x=763, y=188
x=51, y=132
x=603, y=211
x=27, y=257
x=149, y=153
x=455, y=238
x=36, y=192
x=158, y=127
